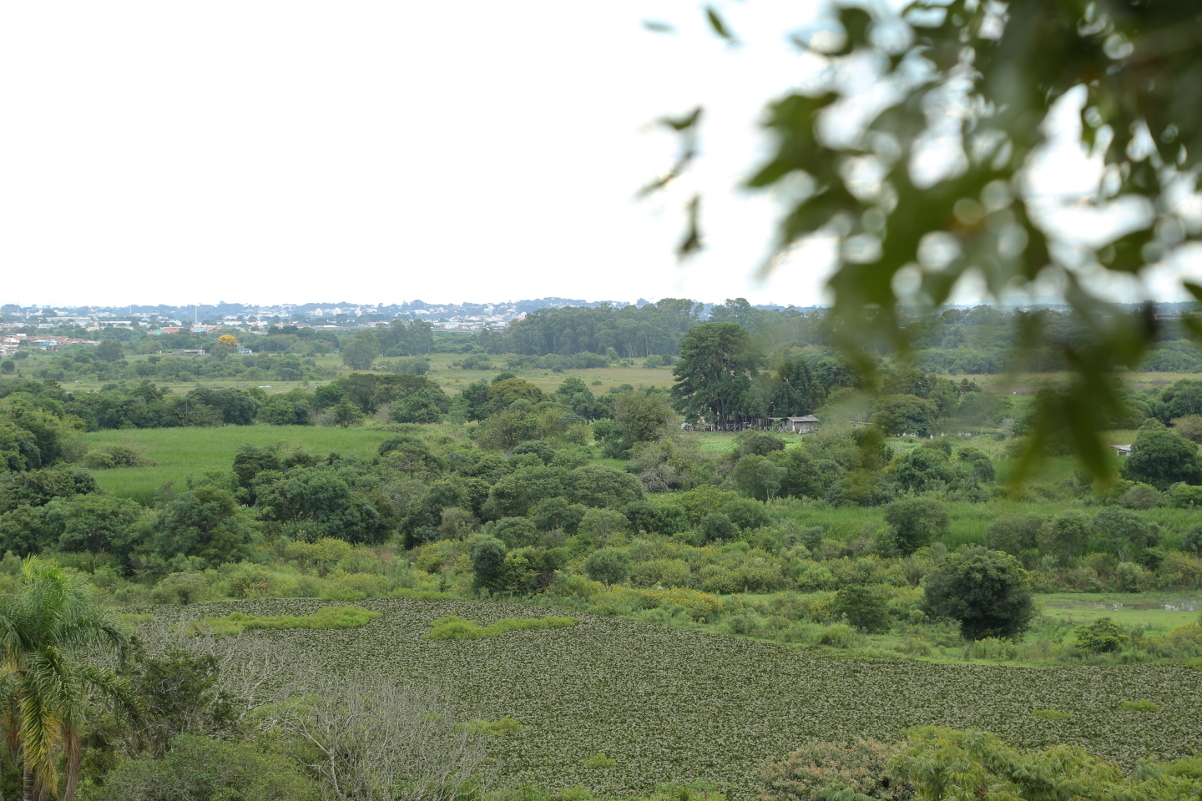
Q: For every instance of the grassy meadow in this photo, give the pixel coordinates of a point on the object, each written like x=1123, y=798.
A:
x=183, y=452
x=599, y=379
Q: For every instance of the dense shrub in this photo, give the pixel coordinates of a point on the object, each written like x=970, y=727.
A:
x=717, y=527
x=810, y=772
x=1191, y=540
x=745, y=514
x=1101, y=636
x=1185, y=496
x=608, y=565
x=203, y=769
x=985, y=590
x=865, y=607
x=915, y=522
x=182, y=588
x=757, y=443
x=1013, y=534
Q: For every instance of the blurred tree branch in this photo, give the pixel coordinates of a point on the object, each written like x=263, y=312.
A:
x=934, y=191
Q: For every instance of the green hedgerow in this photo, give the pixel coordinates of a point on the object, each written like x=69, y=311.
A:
x=457, y=628
x=330, y=617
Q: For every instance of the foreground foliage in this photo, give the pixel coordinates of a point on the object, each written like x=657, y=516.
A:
x=921, y=203
x=204, y=769
x=46, y=626
x=944, y=764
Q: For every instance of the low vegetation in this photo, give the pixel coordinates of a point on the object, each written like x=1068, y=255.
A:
x=456, y=628
x=329, y=617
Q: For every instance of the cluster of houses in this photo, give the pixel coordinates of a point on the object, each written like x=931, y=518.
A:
x=10, y=342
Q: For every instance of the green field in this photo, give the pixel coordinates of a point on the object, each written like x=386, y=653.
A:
x=183, y=452
x=674, y=705
x=454, y=379
x=1154, y=612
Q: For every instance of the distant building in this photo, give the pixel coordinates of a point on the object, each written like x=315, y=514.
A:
x=1122, y=450
x=799, y=425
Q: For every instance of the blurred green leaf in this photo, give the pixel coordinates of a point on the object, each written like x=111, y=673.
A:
x=855, y=22
x=1126, y=254
x=692, y=239
x=682, y=123
x=658, y=26
x=718, y=24
x=981, y=80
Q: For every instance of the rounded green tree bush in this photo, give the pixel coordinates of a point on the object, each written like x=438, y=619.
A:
x=608, y=565
x=717, y=527
x=987, y=591
x=865, y=607
x=200, y=769
x=915, y=522
x=1102, y=636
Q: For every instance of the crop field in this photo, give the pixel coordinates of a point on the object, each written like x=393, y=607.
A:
x=669, y=704
x=180, y=452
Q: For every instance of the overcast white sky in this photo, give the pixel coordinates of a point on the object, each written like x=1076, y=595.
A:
x=371, y=151
x=269, y=151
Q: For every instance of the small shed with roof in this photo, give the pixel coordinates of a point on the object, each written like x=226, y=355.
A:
x=799, y=425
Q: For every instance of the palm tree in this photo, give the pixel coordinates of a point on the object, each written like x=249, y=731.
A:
x=44, y=627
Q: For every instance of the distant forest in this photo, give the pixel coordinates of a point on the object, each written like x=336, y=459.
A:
x=976, y=341
x=955, y=342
